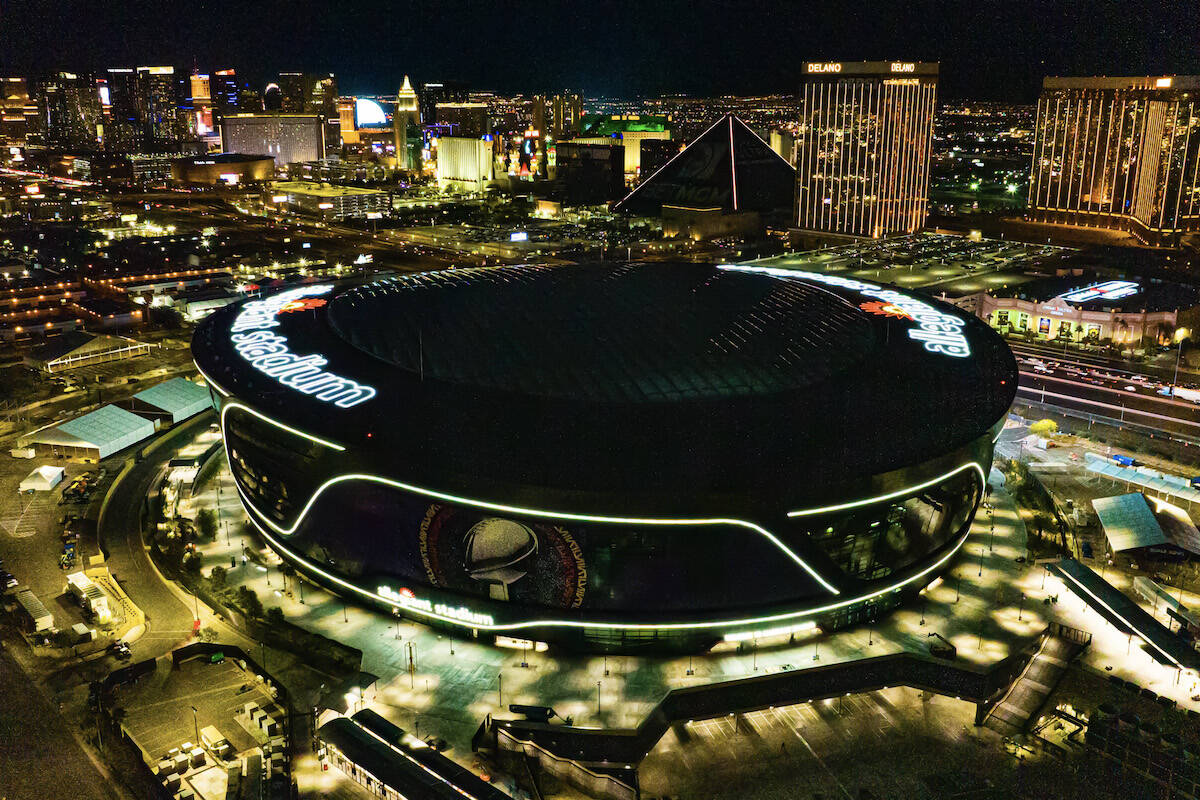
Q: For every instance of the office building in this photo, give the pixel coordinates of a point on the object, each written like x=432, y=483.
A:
x=224, y=91
x=589, y=174
x=321, y=98
x=288, y=138
x=1119, y=153
x=464, y=164
x=468, y=120
x=853, y=424
x=158, y=95
x=292, y=94
x=863, y=147
x=784, y=143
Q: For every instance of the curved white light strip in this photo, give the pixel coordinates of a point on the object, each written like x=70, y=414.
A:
x=532, y=512
x=808, y=512
x=561, y=623
x=277, y=424
x=210, y=381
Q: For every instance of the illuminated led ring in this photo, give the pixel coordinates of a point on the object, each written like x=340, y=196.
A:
x=533, y=512
x=510, y=626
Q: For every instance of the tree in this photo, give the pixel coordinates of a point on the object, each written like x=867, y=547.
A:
x=206, y=522
x=249, y=602
x=275, y=616
x=217, y=578
x=1044, y=427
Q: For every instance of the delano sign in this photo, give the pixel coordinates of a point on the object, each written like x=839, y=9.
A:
x=824, y=68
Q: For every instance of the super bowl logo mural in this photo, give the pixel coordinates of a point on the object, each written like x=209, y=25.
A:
x=502, y=558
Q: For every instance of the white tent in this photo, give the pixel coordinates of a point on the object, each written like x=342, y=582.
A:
x=42, y=479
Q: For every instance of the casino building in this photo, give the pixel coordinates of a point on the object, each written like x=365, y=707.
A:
x=611, y=456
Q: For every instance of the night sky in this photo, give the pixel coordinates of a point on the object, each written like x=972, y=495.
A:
x=988, y=49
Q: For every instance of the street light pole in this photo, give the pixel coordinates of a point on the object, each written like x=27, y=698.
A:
x=598, y=698
x=196, y=723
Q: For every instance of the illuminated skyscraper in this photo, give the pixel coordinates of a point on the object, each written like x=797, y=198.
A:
x=1119, y=153
x=559, y=116
x=224, y=91
x=406, y=125
x=16, y=113
x=863, y=148
x=158, y=95
x=69, y=108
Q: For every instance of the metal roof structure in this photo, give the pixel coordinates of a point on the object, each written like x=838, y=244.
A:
x=108, y=430
x=178, y=396
x=1130, y=523
x=391, y=766
x=1171, y=485
x=1126, y=615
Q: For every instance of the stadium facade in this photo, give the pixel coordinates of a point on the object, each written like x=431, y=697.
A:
x=611, y=456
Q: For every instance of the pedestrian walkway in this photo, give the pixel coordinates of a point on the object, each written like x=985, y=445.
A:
x=1030, y=691
x=982, y=605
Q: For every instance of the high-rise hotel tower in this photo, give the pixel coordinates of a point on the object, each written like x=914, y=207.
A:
x=863, y=148
x=1119, y=153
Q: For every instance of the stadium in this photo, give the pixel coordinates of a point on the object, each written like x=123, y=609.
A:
x=611, y=456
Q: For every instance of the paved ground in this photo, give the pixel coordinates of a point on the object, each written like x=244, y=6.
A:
x=456, y=682
x=893, y=743
x=158, y=707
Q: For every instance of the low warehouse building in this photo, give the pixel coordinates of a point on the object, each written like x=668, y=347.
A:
x=172, y=401
x=94, y=436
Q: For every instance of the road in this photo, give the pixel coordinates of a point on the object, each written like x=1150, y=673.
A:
x=1097, y=386
x=169, y=621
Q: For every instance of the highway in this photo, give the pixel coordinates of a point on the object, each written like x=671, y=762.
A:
x=1096, y=385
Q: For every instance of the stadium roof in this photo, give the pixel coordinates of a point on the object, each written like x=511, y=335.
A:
x=1130, y=523
x=727, y=166
x=665, y=382
x=107, y=429
x=178, y=396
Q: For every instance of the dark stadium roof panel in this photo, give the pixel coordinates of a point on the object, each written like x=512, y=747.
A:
x=604, y=334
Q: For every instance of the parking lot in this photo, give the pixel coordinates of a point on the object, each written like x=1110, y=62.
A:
x=158, y=707
x=936, y=263
x=891, y=743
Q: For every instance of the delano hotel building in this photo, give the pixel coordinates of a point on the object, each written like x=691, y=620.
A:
x=863, y=150
x=1119, y=153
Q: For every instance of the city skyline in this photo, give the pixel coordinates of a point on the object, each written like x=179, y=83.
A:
x=987, y=51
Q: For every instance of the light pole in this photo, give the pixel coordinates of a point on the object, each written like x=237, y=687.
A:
x=196, y=723
x=598, y=698
x=500, y=688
